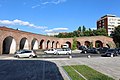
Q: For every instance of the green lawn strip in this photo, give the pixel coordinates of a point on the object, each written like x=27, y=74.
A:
x=71, y=72
x=90, y=73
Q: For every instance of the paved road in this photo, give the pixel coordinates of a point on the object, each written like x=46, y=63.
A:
x=29, y=70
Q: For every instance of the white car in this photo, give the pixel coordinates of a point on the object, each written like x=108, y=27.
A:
x=25, y=53
x=58, y=51
x=50, y=51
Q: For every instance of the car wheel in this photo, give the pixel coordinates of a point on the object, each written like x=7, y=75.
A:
x=68, y=53
x=31, y=56
x=85, y=52
x=45, y=53
x=17, y=56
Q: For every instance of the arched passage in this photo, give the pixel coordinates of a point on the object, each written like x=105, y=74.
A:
x=53, y=44
x=42, y=45
x=98, y=43
x=9, y=45
x=24, y=43
x=68, y=44
x=48, y=44
x=57, y=44
x=78, y=44
x=34, y=44
x=87, y=43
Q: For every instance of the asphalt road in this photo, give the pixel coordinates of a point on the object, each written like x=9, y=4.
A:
x=29, y=70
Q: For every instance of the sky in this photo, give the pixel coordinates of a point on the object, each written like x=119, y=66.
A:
x=54, y=16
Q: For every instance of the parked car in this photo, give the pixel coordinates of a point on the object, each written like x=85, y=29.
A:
x=58, y=51
x=50, y=51
x=102, y=49
x=83, y=49
x=64, y=51
x=25, y=53
x=92, y=50
x=118, y=49
x=111, y=52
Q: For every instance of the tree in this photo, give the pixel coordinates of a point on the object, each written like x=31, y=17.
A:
x=84, y=29
x=116, y=36
x=74, y=45
x=80, y=29
x=99, y=32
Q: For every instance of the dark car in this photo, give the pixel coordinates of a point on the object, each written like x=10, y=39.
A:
x=102, y=49
x=118, y=49
x=111, y=52
x=92, y=50
x=83, y=48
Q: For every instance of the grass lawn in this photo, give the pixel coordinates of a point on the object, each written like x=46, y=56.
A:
x=87, y=72
x=74, y=75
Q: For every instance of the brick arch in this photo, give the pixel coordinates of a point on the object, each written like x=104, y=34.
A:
x=48, y=45
x=53, y=44
x=87, y=43
x=57, y=44
x=98, y=43
x=78, y=44
x=34, y=44
x=42, y=44
x=24, y=44
x=18, y=35
x=69, y=43
x=9, y=45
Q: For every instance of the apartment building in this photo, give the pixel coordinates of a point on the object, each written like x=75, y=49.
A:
x=109, y=22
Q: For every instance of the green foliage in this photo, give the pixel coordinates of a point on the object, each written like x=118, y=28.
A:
x=87, y=72
x=83, y=32
x=80, y=29
x=91, y=45
x=72, y=73
x=116, y=36
x=74, y=45
x=100, y=32
x=84, y=28
x=117, y=45
x=97, y=45
x=90, y=73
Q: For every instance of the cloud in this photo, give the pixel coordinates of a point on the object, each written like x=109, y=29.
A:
x=54, y=2
x=56, y=30
x=93, y=28
x=35, y=6
x=21, y=23
x=50, y=2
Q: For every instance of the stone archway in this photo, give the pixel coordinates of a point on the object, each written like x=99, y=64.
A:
x=87, y=44
x=34, y=44
x=53, y=42
x=9, y=45
x=69, y=43
x=48, y=45
x=42, y=44
x=57, y=44
x=98, y=43
x=24, y=43
x=78, y=44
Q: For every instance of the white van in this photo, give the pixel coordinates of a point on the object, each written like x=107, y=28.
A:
x=65, y=46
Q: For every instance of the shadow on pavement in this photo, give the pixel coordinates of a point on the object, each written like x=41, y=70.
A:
x=29, y=70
